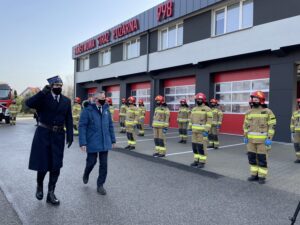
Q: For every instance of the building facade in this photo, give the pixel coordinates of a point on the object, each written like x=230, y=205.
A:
x=223, y=48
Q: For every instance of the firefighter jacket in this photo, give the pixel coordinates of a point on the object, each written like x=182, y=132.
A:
x=76, y=110
x=13, y=109
x=161, y=117
x=132, y=116
x=259, y=125
x=217, y=117
x=201, y=119
x=112, y=110
x=142, y=112
x=295, y=122
x=183, y=114
x=123, y=109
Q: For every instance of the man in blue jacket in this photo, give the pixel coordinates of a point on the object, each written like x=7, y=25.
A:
x=96, y=138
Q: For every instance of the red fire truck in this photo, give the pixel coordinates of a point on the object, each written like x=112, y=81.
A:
x=6, y=97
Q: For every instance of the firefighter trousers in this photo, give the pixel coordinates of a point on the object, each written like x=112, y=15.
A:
x=199, y=145
x=159, y=141
x=13, y=118
x=258, y=159
x=141, y=126
x=213, y=138
x=122, y=123
x=296, y=140
x=182, y=128
x=131, y=136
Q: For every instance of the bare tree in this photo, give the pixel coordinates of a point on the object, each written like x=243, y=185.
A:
x=68, y=88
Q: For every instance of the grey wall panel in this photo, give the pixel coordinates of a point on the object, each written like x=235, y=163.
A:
x=153, y=41
x=151, y=14
x=177, y=8
x=94, y=60
x=77, y=61
x=189, y=6
x=143, y=44
x=263, y=13
x=183, y=4
x=197, y=4
x=196, y=28
x=117, y=53
x=203, y=3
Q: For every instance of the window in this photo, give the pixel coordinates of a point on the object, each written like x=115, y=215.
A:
x=143, y=94
x=175, y=94
x=104, y=57
x=171, y=36
x=132, y=49
x=234, y=96
x=233, y=17
x=84, y=63
x=115, y=96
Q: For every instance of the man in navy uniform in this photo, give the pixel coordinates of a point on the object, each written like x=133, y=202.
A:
x=47, y=150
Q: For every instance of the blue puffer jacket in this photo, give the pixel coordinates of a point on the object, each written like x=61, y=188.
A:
x=96, y=131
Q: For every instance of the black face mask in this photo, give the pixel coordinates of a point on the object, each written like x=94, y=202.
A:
x=213, y=106
x=255, y=104
x=199, y=102
x=299, y=106
x=57, y=91
x=183, y=105
x=158, y=103
x=101, y=101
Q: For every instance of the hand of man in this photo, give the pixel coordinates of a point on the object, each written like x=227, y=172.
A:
x=83, y=148
x=46, y=89
x=69, y=143
x=114, y=145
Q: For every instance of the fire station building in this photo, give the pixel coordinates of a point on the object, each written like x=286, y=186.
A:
x=223, y=48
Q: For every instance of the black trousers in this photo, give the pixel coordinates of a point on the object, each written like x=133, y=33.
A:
x=91, y=161
x=53, y=177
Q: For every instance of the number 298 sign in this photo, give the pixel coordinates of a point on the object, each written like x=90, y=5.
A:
x=165, y=10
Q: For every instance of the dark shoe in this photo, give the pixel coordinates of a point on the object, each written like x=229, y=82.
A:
x=253, y=178
x=297, y=161
x=51, y=198
x=183, y=141
x=101, y=190
x=161, y=155
x=261, y=180
x=131, y=148
x=155, y=154
x=201, y=165
x=127, y=147
x=195, y=164
x=216, y=147
x=85, y=178
x=39, y=192
x=180, y=141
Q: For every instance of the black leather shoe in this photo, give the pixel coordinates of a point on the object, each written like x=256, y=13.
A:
x=39, y=192
x=85, y=178
x=261, y=180
x=253, y=178
x=51, y=198
x=194, y=164
x=101, y=190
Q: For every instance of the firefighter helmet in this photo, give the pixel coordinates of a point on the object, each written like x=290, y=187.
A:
x=200, y=96
x=77, y=100
x=108, y=100
x=160, y=99
x=141, y=102
x=214, y=101
x=131, y=100
x=183, y=101
x=123, y=100
x=260, y=95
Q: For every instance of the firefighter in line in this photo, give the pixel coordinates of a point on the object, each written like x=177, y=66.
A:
x=122, y=115
x=111, y=108
x=160, y=126
x=183, y=121
x=295, y=130
x=13, y=112
x=76, y=110
x=215, y=125
x=141, y=121
x=259, y=130
x=200, y=123
x=131, y=121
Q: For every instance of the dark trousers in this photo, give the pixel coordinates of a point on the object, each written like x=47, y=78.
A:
x=91, y=161
x=53, y=177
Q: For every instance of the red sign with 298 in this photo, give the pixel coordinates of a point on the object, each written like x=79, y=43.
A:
x=165, y=10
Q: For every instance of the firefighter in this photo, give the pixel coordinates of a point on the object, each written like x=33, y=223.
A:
x=295, y=130
x=183, y=120
x=259, y=130
x=131, y=122
x=216, y=124
x=13, y=112
x=111, y=107
x=142, y=114
x=200, y=123
x=76, y=110
x=122, y=115
x=160, y=126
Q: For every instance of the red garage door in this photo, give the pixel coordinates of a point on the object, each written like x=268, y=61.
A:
x=176, y=89
x=114, y=93
x=142, y=91
x=233, y=90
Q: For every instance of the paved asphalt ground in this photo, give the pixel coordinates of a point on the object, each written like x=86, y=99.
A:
x=144, y=190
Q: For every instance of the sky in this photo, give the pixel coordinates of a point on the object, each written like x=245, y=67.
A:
x=37, y=36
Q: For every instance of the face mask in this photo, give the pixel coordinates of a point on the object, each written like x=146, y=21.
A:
x=101, y=101
x=255, y=104
x=182, y=105
x=57, y=91
x=199, y=102
x=213, y=106
x=158, y=103
x=299, y=105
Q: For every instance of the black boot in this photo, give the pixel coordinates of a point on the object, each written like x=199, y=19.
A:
x=253, y=178
x=201, y=165
x=39, y=192
x=51, y=198
x=131, y=148
x=261, y=180
x=101, y=190
x=85, y=178
x=180, y=141
x=195, y=164
x=156, y=154
x=127, y=147
x=297, y=161
x=183, y=141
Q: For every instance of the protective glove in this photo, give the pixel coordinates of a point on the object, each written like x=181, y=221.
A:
x=246, y=140
x=69, y=143
x=268, y=142
x=190, y=132
x=165, y=130
x=292, y=136
x=218, y=127
x=46, y=89
x=205, y=134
